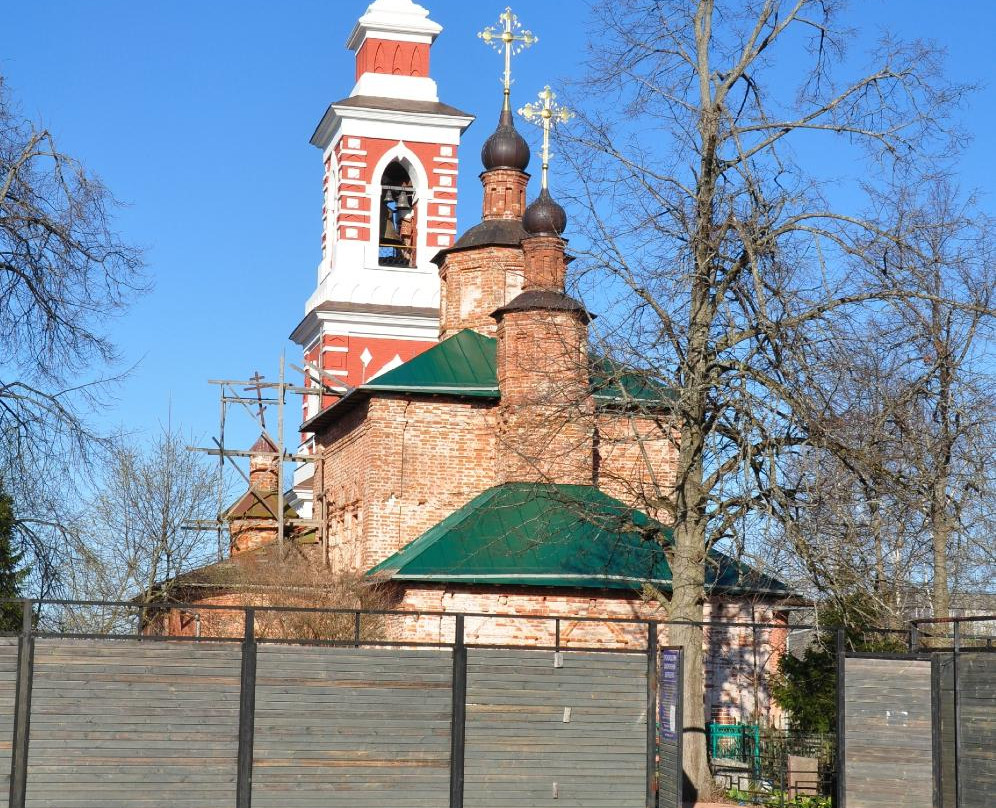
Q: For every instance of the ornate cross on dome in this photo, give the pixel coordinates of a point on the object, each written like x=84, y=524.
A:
x=509, y=39
x=546, y=113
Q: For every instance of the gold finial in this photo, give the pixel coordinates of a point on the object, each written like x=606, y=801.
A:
x=508, y=38
x=546, y=113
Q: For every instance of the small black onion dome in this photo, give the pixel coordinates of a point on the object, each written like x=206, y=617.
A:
x=544, y=217
x=506, y=148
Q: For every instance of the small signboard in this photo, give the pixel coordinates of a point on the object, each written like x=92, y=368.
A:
x=669, y=773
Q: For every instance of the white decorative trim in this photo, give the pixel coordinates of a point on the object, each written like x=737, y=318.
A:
x=445, y=170
x=446, y=159
x=387, y=85
x=400, y=20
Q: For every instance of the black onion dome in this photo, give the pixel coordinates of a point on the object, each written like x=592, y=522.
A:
x=544, y=217
x=506, y=148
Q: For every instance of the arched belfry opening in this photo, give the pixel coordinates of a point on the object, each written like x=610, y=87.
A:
x=398, y=217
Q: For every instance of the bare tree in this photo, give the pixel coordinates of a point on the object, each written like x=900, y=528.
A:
x=63, y=272
x=725, y=266
x=130, y=542
x=947, y=257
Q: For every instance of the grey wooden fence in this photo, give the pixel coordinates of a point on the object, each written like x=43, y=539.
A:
x=887, y=733
x=919, y=731
x=547, y=730
x=144, y=723
x=120, y=723
x=965, y=746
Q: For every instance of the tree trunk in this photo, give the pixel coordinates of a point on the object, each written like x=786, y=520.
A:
x=940, y=522
x=688, y=568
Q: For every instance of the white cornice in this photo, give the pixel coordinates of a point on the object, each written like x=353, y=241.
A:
x=366, y=122
x=399, y=20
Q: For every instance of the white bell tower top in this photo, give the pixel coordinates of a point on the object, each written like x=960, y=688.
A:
x=390, y=156
x=377, y=38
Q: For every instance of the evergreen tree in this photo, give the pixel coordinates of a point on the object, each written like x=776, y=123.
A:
x=12, y=574
x=806, y=686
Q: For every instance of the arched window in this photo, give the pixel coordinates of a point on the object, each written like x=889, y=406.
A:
x=398, y=217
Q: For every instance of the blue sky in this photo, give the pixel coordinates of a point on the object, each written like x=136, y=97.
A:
x=197, y=115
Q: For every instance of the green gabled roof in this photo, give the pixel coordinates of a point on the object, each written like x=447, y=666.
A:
x=611, y=381
x=465, y=364
x=531, y=534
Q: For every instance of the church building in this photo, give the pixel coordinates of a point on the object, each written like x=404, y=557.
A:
x=472, y=454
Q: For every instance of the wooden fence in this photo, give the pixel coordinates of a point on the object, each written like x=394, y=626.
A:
x=102, y=722
x=918, y=731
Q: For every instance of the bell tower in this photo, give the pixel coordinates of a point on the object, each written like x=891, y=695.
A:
x=390, y=158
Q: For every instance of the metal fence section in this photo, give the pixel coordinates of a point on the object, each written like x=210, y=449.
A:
x=266, y=721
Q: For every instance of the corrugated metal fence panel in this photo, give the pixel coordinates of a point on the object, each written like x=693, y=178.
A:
x=887, y=733
x=133, y=724
x=351, y=727
x=8, y=693
x=524, y=751
x=977, y=728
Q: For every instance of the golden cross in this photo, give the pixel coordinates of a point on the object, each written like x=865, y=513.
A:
x=509, y=39
x=546, y=113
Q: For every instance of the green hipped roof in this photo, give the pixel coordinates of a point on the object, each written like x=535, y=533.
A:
x=532, y=534
x=466, y=364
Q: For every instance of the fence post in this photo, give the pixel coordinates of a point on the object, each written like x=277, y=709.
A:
x=936, y=744
x=458, y=716
x=957, y=713
x=247, y=713
x=22, y=709
x=651, y=714
x=841, y=650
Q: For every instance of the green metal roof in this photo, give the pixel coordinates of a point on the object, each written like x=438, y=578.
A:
x=611, y=381
x=531, y=534
x=465, y=364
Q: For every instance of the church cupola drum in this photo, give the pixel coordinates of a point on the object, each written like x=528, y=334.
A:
x=390, y=156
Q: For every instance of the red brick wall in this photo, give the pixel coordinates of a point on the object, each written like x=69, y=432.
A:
x=546, y=420
x=636, y=460
x=395, y=467
x=504, y=193
x=546, y=264
x=474, y=284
